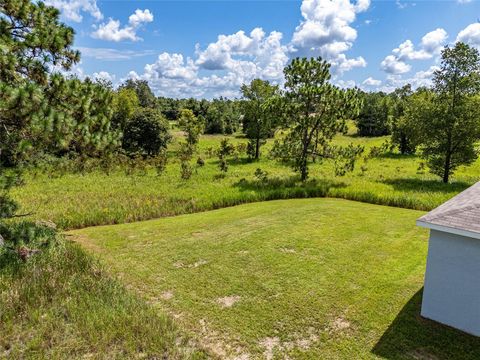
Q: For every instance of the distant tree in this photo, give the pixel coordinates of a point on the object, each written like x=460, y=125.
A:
x=169, y=107
x=373, y=117
x=125, y=103
x=258, y=119
x=403, y=131
x=192, y=126
x=225, y=149
x=147, y=133
x=314, y=111
x=448, y=118
x=146, y=98
x=222, y=117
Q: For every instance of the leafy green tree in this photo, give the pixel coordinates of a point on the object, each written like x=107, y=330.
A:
x=222, y=117
x=373, y=117
x=314, y=111
x=125, y=103
x=448, y=118
x=147, y=133
x=32, y=41
x=192, y=126
x=145, y=95
x=403, y=131
x=225, y=149
x=258, y=119
x=81, y=123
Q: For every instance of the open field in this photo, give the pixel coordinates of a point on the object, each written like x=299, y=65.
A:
x=75, y=200
x=308, y=278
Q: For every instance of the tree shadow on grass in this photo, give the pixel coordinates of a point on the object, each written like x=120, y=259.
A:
x=411, y=336
x=407, y=184
x=396, y=155
x=289, y=187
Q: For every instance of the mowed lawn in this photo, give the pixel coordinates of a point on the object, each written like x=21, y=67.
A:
x=306, y=278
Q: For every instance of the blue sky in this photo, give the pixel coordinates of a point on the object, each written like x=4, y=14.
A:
x=209, y=48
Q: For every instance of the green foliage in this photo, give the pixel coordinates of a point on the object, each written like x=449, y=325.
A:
x=82, y=121
x=31, y=40
x=403, y=131
x=448, y=117
x=145, y=96
x=373, y=117
x=258, y=117
x=314, y=111
x=191, y=125
x=125, y=103
x=147, y=133
x=8, y=207
x=222, y=117
x=225, y=149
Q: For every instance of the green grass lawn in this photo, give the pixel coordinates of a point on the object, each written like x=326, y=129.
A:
x=307, y=278
x=75, y=200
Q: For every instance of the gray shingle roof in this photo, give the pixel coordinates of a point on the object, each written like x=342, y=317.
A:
x=462, y=212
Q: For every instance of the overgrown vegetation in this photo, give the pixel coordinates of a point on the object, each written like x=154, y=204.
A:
x=62, y=304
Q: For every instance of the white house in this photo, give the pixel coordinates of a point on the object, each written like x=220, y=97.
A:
x=451, y=294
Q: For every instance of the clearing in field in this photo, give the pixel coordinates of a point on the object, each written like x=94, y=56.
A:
x=310, y=278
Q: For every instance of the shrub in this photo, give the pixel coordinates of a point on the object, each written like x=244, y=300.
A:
x=146, y=133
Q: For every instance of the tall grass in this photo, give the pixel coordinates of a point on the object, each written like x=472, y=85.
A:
x=96, y=198
x=62, y=304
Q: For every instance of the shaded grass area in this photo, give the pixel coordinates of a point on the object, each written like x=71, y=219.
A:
x=75, y=200
x=309, y=278
x=61, y=304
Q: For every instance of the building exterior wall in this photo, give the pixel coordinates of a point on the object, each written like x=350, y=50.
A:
x=452, y=281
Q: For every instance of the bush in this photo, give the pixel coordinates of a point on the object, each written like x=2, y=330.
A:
x=146, y=133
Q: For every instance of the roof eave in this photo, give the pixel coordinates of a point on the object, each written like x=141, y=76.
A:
x=448, y=229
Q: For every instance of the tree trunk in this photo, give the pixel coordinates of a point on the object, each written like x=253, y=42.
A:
x=303, y=169
x=257, y=148
x=403, y=144
x=446, y=170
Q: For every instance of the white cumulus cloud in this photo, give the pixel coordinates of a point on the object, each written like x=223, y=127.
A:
x=326, y=31
x=470, y=35
x=104, y=75
x=73, y=9
x=372, y=82
x=392, y=65
x=430, y=46
x=112, y=30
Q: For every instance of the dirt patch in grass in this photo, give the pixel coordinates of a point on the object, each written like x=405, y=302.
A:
x=288, y=250
x=228, y=301
x=181, y=265
x=270, y=343
x=218, y=345
x=340, y=324
x=167, y=295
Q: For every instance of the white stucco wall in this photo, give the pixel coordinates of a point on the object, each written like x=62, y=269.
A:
x=452, y=281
